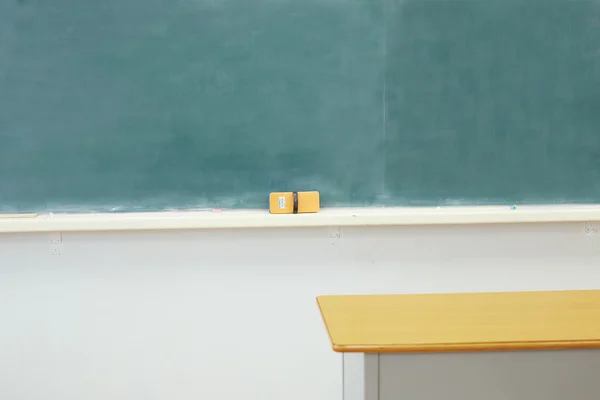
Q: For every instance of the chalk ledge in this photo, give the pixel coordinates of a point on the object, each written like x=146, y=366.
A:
x=176, y=220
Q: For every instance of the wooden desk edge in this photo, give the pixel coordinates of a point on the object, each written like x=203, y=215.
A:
x=455, y=347
x=466, y=347
x=334, y=346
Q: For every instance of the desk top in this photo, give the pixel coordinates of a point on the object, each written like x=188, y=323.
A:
x=462, y=321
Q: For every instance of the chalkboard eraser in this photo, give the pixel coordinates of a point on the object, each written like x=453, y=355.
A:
x=294, y=202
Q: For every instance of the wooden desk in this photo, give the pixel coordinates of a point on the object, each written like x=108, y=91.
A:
x=469, y=346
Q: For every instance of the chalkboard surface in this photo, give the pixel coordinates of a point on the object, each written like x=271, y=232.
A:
x=121, y=105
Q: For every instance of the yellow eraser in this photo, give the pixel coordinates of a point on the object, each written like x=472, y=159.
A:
x=294, y=202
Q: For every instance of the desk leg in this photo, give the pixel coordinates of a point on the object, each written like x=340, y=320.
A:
x=361, y=376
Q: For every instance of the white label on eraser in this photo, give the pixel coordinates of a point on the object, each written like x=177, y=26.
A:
x=281, y=202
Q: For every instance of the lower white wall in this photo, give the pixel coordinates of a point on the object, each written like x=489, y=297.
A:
x=231, y=314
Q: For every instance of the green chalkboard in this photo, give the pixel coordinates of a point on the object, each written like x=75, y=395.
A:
x=124, y=105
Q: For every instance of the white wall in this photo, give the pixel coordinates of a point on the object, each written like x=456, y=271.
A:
x=231, y=314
